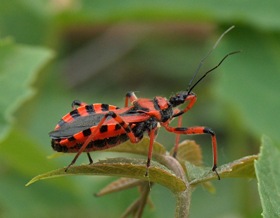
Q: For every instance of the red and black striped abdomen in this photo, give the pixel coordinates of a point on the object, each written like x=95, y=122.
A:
x=74, y=128
x=85, y=111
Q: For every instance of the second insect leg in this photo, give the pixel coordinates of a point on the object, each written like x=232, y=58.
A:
x=90, y=138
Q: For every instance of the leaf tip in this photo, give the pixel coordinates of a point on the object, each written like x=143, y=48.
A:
x=31, y=182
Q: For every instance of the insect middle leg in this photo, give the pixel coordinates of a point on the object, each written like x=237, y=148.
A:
x=198, y=130
x=90, y=138
x=152, y=135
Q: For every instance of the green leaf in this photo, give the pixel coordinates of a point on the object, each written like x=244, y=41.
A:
x=189, y=151
x=123, y=167
x=22, y=152
x=268, y=175
x=32, y=18
x=119, y=185
x=19, y=66
x=241, y=168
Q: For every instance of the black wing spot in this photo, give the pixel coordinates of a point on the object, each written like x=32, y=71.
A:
x=86, y=132
x=71, y=139
x=74, y=113
x=104, y=107
x=90, y=109
x=103, y=129
x=57, y=147
x=118, y=126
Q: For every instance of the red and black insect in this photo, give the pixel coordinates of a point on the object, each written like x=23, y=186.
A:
x=91, y=127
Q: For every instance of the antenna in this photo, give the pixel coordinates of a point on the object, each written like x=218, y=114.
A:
x=203, y=59
x=205, y=74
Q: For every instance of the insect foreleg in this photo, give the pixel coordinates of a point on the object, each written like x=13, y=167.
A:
x=175, y=102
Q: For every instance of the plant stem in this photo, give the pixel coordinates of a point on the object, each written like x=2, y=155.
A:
x=183, y=198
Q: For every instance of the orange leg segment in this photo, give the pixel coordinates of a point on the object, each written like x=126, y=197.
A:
x=193, y=131
x=90, y=138
x=152, y=135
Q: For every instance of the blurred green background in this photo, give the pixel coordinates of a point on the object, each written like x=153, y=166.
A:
x=52, y=52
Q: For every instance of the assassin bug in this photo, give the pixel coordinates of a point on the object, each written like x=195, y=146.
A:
x=90, y=127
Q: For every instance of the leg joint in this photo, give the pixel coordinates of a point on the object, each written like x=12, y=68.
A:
x=76, y=103
x=111, y=113
x=209, y=131
x=129, y=94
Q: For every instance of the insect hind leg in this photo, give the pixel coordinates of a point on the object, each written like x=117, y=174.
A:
x=89, y=158
x=198, y=130
x=77, y=103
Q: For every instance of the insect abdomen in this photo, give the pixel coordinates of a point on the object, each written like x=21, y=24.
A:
x=100, y=144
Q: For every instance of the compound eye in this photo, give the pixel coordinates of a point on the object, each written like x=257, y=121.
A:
x=162, y=103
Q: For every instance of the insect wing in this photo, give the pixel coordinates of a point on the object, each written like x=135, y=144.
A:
x=68, y=129
x=77, y=125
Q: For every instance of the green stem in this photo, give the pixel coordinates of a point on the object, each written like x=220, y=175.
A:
x=183, y=198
